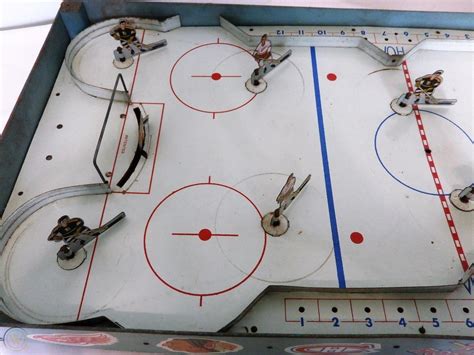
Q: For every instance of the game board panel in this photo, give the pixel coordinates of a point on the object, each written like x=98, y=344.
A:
x=388, y=313
x=192, y=241
x=359, y=175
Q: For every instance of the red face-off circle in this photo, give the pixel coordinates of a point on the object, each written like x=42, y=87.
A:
x=198, y=261
x=187, y=75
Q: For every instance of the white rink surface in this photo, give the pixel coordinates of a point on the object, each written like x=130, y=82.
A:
x=222, y=170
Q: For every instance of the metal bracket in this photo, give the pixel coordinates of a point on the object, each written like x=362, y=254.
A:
x=349, y=42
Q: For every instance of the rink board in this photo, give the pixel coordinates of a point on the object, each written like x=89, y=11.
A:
x=219, y=157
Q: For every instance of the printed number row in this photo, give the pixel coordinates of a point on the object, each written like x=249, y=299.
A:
x=402, y=322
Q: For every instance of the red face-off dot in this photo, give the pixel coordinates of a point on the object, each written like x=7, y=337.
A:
x=331, y=76
x=205, y=234
x=216, y=76
x=357, y=238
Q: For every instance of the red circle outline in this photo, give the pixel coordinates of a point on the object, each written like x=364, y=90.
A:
x=203, y=294
x=194, y=108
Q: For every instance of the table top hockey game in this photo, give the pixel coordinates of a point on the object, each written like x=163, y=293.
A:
x=167, y=154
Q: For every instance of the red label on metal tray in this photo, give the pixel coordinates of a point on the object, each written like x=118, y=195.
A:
x=75, y=339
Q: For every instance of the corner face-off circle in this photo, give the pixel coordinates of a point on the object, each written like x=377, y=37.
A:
x=210, y=78
x=184, y=253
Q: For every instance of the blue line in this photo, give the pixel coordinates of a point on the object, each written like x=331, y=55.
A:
x=327, y=175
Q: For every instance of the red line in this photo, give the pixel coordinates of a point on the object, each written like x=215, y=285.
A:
x=156, y=149
x=449, y=310
x=416, y=308
x=384, y=312
x=434, y=174
x=212, y=235
x=209, y=180
x=118, y=146
x=131, y=192
x=319, y=312
x=110, y=183
x=210, y=76
x=352, y=312
x=92, y=260
x=147, y=103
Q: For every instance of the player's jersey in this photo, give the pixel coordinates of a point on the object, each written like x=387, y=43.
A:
x=428, y=83
x=264, y=50
x=126, y=34
x=74, y=227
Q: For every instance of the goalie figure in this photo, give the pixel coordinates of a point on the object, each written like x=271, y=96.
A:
x=126, y=33
x=76, y=236
x=428, y=83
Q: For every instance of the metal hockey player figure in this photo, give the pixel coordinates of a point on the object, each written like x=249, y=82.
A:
x=126, y=33
x=263, y=56
x=275, y=223
x=76, y=236
x=263, y=51
x=423, y=94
